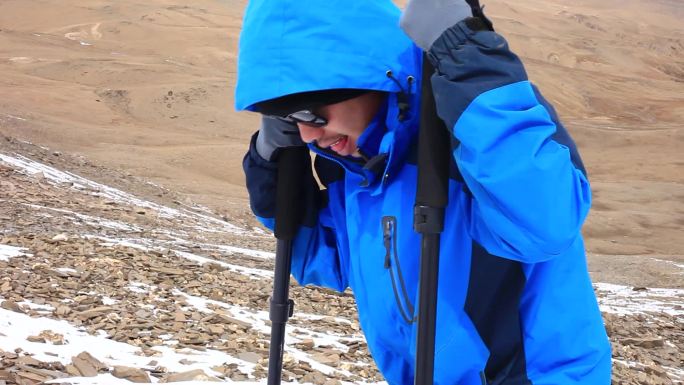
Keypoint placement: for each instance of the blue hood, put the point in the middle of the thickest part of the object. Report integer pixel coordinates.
(289, 46)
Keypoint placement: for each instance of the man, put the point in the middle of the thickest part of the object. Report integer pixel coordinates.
(515, 302)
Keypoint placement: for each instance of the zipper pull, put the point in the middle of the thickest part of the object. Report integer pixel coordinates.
(387, 239)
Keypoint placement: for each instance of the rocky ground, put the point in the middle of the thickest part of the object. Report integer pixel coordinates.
(109, 263)
(130, 270)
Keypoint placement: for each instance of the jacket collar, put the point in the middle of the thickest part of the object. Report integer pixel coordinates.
(386, 143)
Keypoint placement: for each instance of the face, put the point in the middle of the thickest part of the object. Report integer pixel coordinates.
(346, 122)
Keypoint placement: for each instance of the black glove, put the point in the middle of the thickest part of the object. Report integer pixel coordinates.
(275, 134)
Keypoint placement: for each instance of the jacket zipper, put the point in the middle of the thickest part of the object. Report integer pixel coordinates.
(389, 237)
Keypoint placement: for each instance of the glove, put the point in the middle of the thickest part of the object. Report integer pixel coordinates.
(425, 20)
(275, 134)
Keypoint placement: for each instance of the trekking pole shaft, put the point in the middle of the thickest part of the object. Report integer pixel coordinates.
(427, 310)
(291, 163)
(432, 196)
(280, 310)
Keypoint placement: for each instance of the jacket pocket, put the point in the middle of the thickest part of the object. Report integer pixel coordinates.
(389, 237)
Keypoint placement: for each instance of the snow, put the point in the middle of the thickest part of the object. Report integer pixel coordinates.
(90, 220)
(148, 245)
(258, 321)
(43, 309)
(240, 269)
(32, 168)
(108, 379)
(114, 353)
(7, 252)
(107, 301)
(678, 265)
(108, 351)
(139, 287)
(240, 250)
(110, 242)
(624, 300)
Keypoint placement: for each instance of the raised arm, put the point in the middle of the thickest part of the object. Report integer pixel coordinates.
(315, 257)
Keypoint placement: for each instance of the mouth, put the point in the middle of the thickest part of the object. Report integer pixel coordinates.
(338, 144)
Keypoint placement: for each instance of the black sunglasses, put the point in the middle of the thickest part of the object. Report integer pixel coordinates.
(305, 117)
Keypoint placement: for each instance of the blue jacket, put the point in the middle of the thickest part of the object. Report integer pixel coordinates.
(515, 302)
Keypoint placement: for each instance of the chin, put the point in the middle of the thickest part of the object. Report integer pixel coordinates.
(347, 152)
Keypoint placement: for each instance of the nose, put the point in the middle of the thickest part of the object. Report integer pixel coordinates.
(309, 133)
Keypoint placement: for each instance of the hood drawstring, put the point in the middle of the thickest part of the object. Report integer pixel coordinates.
(403, 97)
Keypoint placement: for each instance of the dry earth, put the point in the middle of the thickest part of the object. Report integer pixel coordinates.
(142, 92)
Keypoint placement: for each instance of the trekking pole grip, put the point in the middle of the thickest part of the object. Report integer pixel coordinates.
(289, 193)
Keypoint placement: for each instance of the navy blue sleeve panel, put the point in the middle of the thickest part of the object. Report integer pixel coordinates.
(480, 61)
(530, 191)
(495, 287)
(529, 198)
(261, 177)
(562, 135)
(315, 257)
(469, 63)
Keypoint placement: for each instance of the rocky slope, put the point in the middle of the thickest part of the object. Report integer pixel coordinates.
(171, 275)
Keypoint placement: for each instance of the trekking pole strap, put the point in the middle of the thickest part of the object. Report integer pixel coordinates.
(478, 11)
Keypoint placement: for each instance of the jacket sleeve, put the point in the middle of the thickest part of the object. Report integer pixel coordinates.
(315, 256)
(531, 194)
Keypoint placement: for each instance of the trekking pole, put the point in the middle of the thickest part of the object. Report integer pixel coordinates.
(287, 221)
(432, 196)
(435, 144)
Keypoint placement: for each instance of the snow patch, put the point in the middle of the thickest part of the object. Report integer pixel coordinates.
(624, 300)
(251, 272)
(7, 252)
(108, 351)
(139, 287)
(107, 301)
(679, 265)
(240, 250)
(30, 167)
(91, 220)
